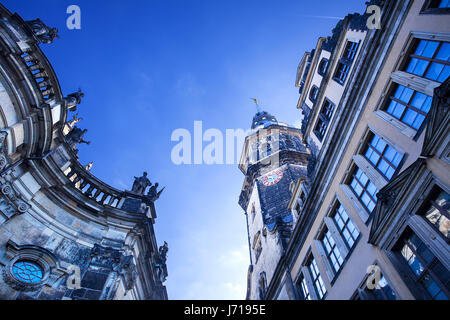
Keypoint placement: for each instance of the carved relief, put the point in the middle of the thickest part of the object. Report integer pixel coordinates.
(11, 203)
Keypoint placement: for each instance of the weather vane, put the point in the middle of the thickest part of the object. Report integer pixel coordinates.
(258, 108)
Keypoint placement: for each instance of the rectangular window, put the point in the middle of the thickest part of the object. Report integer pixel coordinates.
(317, 279)
(385, 158)
(364, 189)
(431, 59)
(333, 254)
(437, 212)
(343, 67)
(348, 230)
(324, 119)
(350, 50)
(428, 271)
(342, 72)
(409, 106)
(304, 289)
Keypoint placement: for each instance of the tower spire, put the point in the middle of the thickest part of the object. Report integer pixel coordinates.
(258, 108)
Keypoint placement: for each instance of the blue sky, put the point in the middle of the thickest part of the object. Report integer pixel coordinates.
(149, 67)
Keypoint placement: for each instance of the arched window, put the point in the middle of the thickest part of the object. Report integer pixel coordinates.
(313, 94)
(322, 69)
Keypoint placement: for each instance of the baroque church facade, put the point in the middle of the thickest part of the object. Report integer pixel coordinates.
(64, 234)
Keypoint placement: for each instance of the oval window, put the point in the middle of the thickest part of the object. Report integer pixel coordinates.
(28, 272)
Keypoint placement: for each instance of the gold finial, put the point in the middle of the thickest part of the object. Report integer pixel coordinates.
(258, 108)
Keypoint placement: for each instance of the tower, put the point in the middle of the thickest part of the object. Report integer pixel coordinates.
(273, 160)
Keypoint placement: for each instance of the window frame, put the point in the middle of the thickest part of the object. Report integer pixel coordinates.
(401, 243)
(368, 144)
(350, 180)
(317, 278)
(415, 42)
(430, 202)
(302, 287)
(345, 63)
(407, 105)
(430, 7)
(324, 118)
(333, 215)
(324, 238)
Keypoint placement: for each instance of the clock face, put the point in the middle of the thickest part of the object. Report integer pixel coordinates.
(273, 178)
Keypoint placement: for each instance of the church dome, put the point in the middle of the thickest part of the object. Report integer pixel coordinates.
(264, 119)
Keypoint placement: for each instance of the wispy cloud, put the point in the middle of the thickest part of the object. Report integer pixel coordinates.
(188, 85)
(320, 17)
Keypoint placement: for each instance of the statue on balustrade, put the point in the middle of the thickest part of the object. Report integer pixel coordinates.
(74, 121)
(140, 184)
(153, 193)
(42, 31)
(75, 137)
(74, 99)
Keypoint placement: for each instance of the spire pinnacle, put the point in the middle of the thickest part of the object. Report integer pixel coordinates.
(258, 108)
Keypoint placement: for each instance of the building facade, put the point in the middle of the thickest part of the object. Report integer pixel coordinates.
(64, 234)
(373, 211)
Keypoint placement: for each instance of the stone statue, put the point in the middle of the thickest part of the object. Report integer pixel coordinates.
(89, 166)
(140, 184)
(153, 193)
(74, 121)
(163, 251)
(74, 99)
(42, 31)
(75, 137)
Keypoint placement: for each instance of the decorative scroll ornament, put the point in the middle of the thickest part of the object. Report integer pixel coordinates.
(10, 203)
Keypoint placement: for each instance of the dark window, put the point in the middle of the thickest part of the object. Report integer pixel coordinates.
(304, 292)
(409, 106)
(385, 158)
(342, 72)
(428, 271)
(253, 212)
(348, 230)
(317, 279)
(324, 119)
(350, 50)
(322, 69)
(343, 67)
(313, 94)
(437, 212)
(439, 4)
(333, 254)
(430, 60)
(364, 189)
